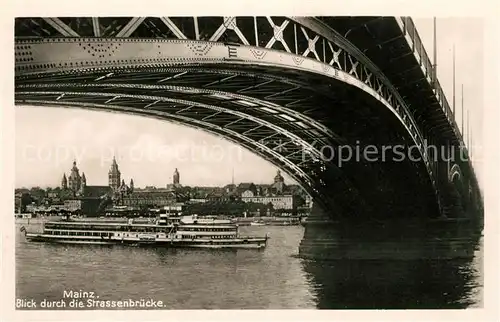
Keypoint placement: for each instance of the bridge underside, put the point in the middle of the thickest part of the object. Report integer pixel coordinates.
(274, 112)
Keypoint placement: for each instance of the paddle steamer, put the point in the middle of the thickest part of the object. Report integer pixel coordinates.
(170, 231)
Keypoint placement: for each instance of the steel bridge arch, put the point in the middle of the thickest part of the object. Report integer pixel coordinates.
(354, 62)
(337, 59)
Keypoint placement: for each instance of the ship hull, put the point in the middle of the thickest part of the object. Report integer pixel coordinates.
(53, 239)
(253, 243)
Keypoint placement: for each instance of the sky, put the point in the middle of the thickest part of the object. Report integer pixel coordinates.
(148, 150)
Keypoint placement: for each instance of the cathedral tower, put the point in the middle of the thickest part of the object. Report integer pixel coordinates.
(176, 177)
(114, 176)
(64, 182)
(279, 183)
(83, 184)
(74, 179)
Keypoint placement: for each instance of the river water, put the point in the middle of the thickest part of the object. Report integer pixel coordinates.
(273, 278)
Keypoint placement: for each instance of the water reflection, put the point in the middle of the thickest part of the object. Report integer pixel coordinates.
(395, 265)
(365, 284)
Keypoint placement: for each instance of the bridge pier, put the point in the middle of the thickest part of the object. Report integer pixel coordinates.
(400, 239)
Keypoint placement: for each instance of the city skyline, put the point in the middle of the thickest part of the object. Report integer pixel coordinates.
(139, 143)
(127, 179)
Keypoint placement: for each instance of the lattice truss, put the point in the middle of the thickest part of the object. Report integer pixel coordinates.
(277, 33)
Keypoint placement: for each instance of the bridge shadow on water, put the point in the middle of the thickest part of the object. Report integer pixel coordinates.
(368, 267)
(377, 284)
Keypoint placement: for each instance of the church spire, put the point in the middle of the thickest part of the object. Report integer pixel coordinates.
(176, 179)
(114, 175)
(83, 184)
(74, 179)
(64, 182)
(279, 182)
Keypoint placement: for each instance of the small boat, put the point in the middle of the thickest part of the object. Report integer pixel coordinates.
(173, 231)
